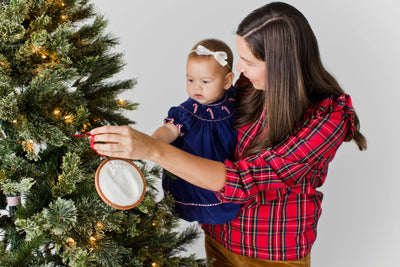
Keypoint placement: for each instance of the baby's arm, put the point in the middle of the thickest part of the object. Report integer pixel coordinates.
(167, 133)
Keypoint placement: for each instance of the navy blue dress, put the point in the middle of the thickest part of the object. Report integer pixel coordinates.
(206, 131)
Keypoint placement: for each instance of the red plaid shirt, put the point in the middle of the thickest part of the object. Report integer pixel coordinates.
(278, 186)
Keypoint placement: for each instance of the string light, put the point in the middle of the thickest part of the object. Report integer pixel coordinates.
(15, 121)
(70, 240)
(99, 225)
(85, 126)
(122, 102)
(64, 17)
(69, 118)
(154, 264)
(44, 56)
(92, 239)
(5, 64)
(93, 242)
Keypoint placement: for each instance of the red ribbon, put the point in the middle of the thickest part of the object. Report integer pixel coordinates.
(88, 134)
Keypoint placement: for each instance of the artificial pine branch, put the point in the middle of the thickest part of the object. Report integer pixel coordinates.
(56, 79)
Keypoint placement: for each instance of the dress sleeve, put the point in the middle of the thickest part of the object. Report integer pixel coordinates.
(180, 118)
(299, 161)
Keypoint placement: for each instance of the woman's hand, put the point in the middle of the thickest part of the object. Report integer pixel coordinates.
(123, 142)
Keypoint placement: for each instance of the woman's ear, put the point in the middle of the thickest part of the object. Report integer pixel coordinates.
(229, 80)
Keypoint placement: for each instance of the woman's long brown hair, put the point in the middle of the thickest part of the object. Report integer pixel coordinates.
(280, 35)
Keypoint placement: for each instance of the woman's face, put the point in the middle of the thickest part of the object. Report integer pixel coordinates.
(253, 68)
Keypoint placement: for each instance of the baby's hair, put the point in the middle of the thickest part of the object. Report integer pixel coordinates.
(214, 45)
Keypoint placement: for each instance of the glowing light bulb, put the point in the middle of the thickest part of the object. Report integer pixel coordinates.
(44, 56)
(64, 17)
(71, 242)
(122, 102)
(68, 118)
(100, 225)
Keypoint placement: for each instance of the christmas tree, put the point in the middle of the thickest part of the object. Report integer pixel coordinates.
(56, 69)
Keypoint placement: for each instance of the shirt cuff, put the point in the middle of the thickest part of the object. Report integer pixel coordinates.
(232, 191)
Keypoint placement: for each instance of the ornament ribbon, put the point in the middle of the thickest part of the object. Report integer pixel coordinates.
(88, 134)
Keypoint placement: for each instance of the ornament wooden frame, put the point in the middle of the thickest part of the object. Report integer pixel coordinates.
(103, 196)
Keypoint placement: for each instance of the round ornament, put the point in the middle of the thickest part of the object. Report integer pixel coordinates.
(120, 183)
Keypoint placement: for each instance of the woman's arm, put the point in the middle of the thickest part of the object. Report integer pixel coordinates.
(271, 173)
(125, 142)
(166, 133)
(205, 173)
(299, 163)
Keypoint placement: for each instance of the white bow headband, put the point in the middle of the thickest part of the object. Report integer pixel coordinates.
(220, 56)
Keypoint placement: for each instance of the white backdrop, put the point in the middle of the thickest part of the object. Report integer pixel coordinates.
(359, 43)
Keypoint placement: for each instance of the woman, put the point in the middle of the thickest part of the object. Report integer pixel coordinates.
(292, 117)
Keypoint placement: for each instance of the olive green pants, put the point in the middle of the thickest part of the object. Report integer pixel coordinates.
(219, 256)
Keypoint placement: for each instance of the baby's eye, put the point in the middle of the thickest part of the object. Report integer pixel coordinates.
(206, 82)
(190, 80)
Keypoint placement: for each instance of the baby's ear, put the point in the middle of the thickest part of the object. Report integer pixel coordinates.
(229, 80)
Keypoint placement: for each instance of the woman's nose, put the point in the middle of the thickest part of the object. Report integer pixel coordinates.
(239, 67)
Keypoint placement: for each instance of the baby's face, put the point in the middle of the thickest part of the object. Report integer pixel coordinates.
(205, 79)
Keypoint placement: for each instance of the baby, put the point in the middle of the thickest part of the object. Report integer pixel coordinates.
(203, 126)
